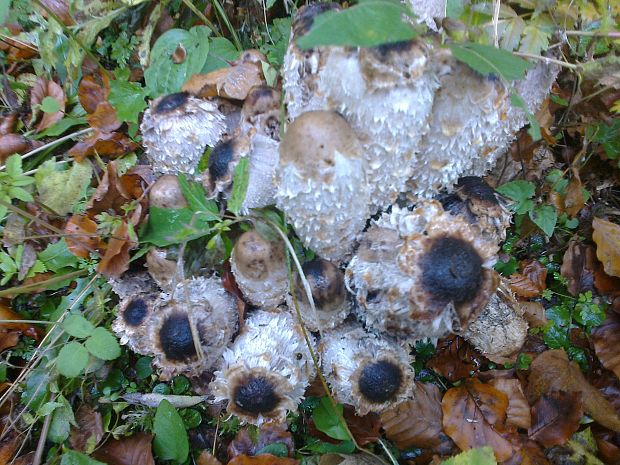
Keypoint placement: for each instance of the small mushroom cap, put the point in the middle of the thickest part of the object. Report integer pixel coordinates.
(380, 381)
(222, 162)
(166, 193)
(312, 141)
(160, 267)
(253, 254)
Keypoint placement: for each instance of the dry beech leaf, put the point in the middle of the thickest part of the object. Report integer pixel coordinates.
(93, 90)
(82, 238)
(206, 458)
(366, 429)
(89, 430)
(9, 445)
(16, 49)
(111, 144)
(577, 267)
(44, 88)
(15, 143)
(263, 459)
(608, 449)
(474, 414)
(552, 371)
(8, 123)
(8, 339)
(536, 272)
(604, 283)
(555, 417)
(6, 313)
(133, 450)
(534, 313)
(104, 118)
(234, 82)
(60, 8)
(416, 422)
(606, 235)
(518, 413)
(574, 200)
(342, 459)
(269, 433)
(606, 338)
(528, 453)
(116, 258)
(455, 358)
(523, 286)
(114, 192)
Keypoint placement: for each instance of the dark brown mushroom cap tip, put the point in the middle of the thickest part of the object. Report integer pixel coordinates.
(256, 395)
(171, 102)
(380, 381)
(326, 282)
(175, 337)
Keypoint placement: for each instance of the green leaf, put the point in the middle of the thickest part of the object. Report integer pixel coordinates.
(50, 105)
(241, 178)
(163, 76)
(327, 420)
(57, 256)
(517, 190)
(479, 456)
(72, 359)
(506, 268)
(221, 51)
(48, 408)
(62, 419)
(545, 217)
(608, 135)
(278, 449)
(534, 129)
(61, 126)
(4, 10)
(37, 388)
(60, 190)
(535, 39)
(196, 197)
(559, 315)
(127, 98)
(71, 457)
(171, 442)
(321, 447)
(78, 326)
(367, 24)
(14, 166)
(144, 368)
(487, 60)
(556, 337)
(102, 344)
(169, 226)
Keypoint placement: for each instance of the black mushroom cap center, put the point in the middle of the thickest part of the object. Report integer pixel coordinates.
(380, 381)
(256, 395)
(451, 270)
(476, 188)
(171, 102)
(221, 156)
(326, 282)
(175, 337)
(135, 312)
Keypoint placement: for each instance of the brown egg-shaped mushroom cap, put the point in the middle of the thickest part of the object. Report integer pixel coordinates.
(312, 141)
(161, 267)
(259, 267)
(166, 193)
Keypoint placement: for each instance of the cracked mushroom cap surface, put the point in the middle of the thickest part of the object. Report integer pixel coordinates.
(329, 293)
(177, 128)
(266, 371)
(368, 372)
(158, 324)
(321, 183)
(422, 273)
(260, 270)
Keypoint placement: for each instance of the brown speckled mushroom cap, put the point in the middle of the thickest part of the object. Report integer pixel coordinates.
(166, 193)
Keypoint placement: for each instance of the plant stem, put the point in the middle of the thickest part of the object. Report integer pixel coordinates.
(38, 455)
(608, 35)
(546, 60)
(202, 17)
(222, 14)
(41, 285)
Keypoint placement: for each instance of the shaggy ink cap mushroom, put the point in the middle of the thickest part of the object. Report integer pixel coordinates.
(171, 102)
(256, 396)
(175, 337)
(222, 162)
(380, 381)
(166, 193)
(135, 312)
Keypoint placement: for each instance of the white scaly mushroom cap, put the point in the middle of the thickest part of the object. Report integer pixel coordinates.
(422, 273)
(263, 163)
(266, 371)
(329, 293)
(387, 97)
(177, 128)
(164, 330)
(369, 372)
(260, 271)
(500, 330)
(321, 182)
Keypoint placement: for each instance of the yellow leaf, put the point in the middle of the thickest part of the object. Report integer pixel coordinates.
(606, 235)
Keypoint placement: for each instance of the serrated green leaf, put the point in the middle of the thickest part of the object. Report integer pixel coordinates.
(487, 60)
(517, 190)
(127, 98)
(60, 190)
(163, 76)
(72, 457)
(479, 456)
(221, 52)
(367, 24)
(78, 326)
(196, 197)
(102, 344)
(545, 217)
(327, 420)
(14, 166)
(72, 359)
(535, 40)
(57, 256)
(20, 194)
(241, 179)
(171, 442)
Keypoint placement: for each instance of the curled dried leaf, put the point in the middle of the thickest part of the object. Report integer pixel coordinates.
(518, 413)
(60, 8)
(578, 267)
(556, 417)
(606, 338)
(42, 89)
(574, 199)
(111, 144)
(89, 430)
(250, 444)
(132, 450)
(206, 458)
(116, 259)
(455, 358)
(104, 118)
(523, 286)
(93, 90)
(82, 238)
(606, 235)
(15, 143)
(8, 123)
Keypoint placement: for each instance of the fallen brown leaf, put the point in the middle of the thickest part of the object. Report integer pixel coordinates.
(534, 313)
(15, 143)
(552, 371)
(416, 422)
(366, 429)
(89, 430)
(607, 444)
(113, 192)
(82, 238)
(8, 123)
(263, 459)
(9, 443)
(111, 144)
(269, 433)
(60, 8)
(556, 417)
(455, 358)
(6, 313)
(26, 459)
(606, 338)
(528, 453)
(205, 458)
(577, 267)
(574, 200)
(342, 459)
(133, 450)
(473, 416)
(44, 88)
(530, 282)
(8, 339)
(93, 90)
(606, 235)
(104, 118)
(116, 258)
(518, 413)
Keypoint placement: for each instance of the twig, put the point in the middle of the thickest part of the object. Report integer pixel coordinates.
(496, 8)
(222, 14)
(38, 455)
(153, 399)
(608, 35)
(42, 284)
(546, 60)
(202, 17)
